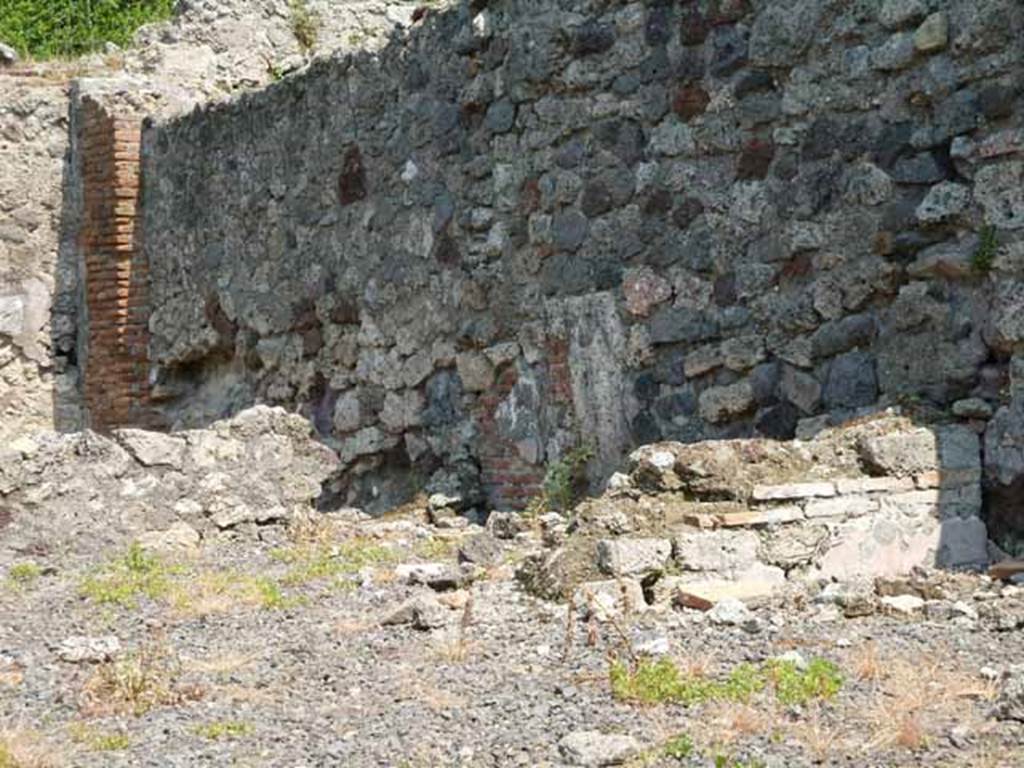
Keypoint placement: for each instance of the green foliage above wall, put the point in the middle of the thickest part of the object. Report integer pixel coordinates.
(46, 29)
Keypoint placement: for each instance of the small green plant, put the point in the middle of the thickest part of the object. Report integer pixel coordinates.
(111, 742)
(793, 686)
(679, 747)
(135, 575)
(563, 478)
(271, 596)
(226, 729)
(305, 24)
(24, 574)
(985, 254)
(563, 482)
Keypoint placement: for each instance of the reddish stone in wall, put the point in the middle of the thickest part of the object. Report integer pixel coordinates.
(755, 159)
(352, 181)
(690, 101)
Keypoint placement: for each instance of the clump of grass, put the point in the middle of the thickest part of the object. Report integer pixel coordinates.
(662, 682)
(223, 591)
(24, 574)
(793, 686)
(985, 255)
(99, 741)
(135, 684)
(679, 747)
(434, 548)
(223, 729)
(124, 581)
(318, 562)
(727, 761)
(305, 24)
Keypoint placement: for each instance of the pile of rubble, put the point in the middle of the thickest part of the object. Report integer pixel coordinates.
(81, 493)
(744, 518)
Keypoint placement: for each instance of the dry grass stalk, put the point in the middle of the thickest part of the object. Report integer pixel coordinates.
(135, 684)
(818, 738)
(570, 627)
(913, 694)
(24, 748)
(732, 721)
(593, 633)
(866, 664)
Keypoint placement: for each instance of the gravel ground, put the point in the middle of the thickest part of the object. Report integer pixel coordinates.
(268, 649)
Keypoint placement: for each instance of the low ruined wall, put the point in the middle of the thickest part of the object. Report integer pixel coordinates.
(880, 498)
(506, 233)
(79, 494)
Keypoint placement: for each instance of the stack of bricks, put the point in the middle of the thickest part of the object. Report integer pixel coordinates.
(116, 276)
(510, 481)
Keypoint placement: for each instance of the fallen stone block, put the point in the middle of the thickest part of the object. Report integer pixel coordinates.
(595, 749)
(423, 612)
(902, 604)
(481, 549)
(715, 550)
(731, 612)
(633, 557)
(903, 453)
(81, 648)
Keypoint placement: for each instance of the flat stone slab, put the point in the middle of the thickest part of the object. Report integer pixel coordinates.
(789, 491)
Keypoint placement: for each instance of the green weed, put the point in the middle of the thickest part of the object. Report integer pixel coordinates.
(793, 686)
(563, 483)
(99, 741)
(24, 574)
(321, 561)
(226, 729)
(46, 29)
(678, 747)
(661, 682)
(305, 24)
(124, 581)
(985, 255)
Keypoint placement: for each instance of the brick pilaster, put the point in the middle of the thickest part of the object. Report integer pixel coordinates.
(116, 384)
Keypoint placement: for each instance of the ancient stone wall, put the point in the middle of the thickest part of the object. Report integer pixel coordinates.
(209, 50)
(38, 371)
(508, 232)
